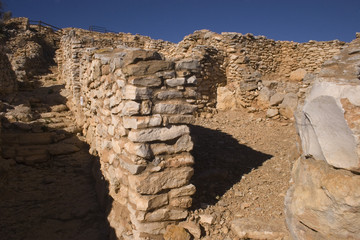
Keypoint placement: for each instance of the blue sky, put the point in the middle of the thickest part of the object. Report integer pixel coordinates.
(171, 20)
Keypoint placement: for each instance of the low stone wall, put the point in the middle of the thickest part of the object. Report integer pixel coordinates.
(324, 202)
(8, 82)
(133, 107)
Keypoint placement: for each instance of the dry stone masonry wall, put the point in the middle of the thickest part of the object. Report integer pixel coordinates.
(134, 106)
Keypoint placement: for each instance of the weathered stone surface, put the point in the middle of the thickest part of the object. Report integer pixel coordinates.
(165, 214)
(297, 75)
(276, 99)
(174, 82)
(288, 105)
(148, 67)
(153, 183)
(187, 190)
(326, 135)
(146, 81)
(172, 94)
(272, 112)
(174, 232)
(130, 165)
(138, 149)
(181, 119)
(323, 203)
(130, 108)
(138, 55)
(206, 218)
(225, 99)
(147, 202)
(136, 93)
(193, 228)
(142, 121)
(188, 64)
(248, 228)
(174, 108)
(157, 134)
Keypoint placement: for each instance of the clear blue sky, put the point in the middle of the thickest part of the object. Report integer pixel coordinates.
(171, 20)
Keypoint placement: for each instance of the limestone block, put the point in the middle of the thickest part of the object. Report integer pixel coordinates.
(191, 80)
(183, 144)
(276, 99)
(187, 190)
(272, 112)
(146, 81)
(288, 105)
(181, 202)
(180, 160)
(130, 165)
(138, 149)
(152, 183)
(147, 202)
(158, 134)
(297, 75)
(174, 108)
(134, 56)
(225, 99)
(172, 94)
(188, 64)
(136, 122)
(181, 119)
(248, 85)
(325, 131)
(130, 108)
(323, 203)
(131, 92)
(174, 82)
(154, 228)
(148, 67)
(145, 108)
(165, 214)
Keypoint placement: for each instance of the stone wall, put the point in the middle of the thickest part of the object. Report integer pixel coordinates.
(7, 76)
(133, 107)
(323, 202)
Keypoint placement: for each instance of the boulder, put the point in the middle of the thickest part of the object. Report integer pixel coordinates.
(297, 75)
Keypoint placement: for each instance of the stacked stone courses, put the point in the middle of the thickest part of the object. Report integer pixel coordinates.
(134, 106)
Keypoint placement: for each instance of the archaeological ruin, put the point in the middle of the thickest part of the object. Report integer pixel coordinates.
(108, 136)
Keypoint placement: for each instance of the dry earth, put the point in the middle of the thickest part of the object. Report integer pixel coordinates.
(242, 171)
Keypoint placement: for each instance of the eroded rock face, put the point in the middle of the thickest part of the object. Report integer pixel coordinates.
(323, 202)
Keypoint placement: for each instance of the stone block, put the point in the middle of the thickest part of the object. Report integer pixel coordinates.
(191, 80)
(187, 190)
(166, 95)
(135, 56)
(249, 228)
(138, 149)
(147, 202)
(130, 165)
(131, 92)
(276, 99)
(297, 75)
(145, 81)
(137, 122)
(130, 108)
(174, 108)
(158, 134)
(181, 202)
(148, 67)
(153, 183)
(181, 119)
(188, 64)
(166, 214)
(174, 82)
(174, 232)
(180, 160)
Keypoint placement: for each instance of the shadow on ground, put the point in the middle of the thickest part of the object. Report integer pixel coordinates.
(220, 162)
(52, 187)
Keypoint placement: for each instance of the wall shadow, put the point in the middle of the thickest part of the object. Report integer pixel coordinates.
(53, 187)
(220, 162)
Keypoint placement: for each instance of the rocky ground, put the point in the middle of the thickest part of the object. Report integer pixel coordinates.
(242, 172)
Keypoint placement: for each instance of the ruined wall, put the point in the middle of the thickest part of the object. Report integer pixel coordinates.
(323, 202)
(133, 107)
(7, 76)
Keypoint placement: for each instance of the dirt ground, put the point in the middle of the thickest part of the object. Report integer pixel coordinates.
(242, 167)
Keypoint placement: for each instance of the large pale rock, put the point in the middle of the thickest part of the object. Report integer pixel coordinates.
(323, 203)
(225, 99)
(324, 131)
(297, 75)
(158, 134)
